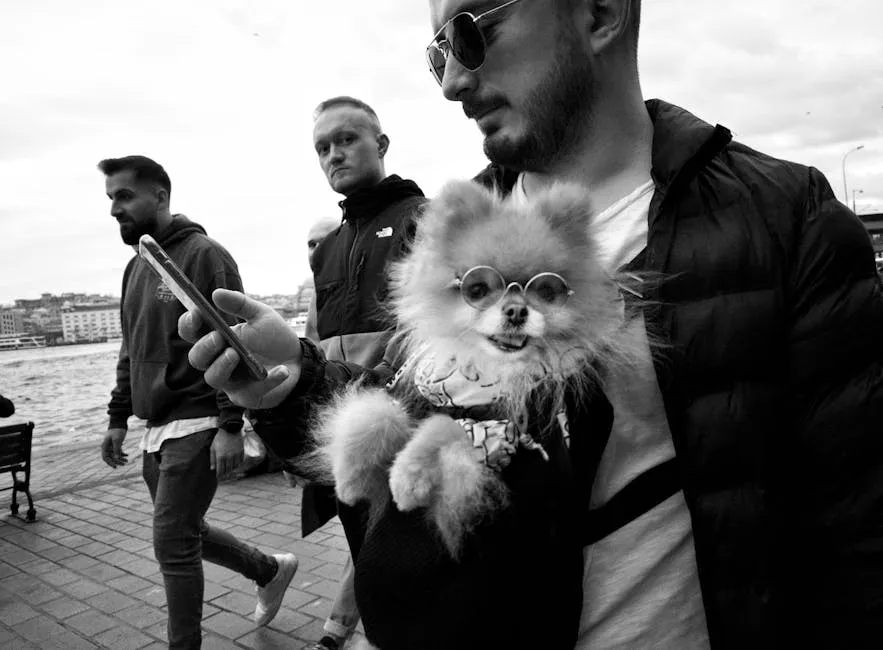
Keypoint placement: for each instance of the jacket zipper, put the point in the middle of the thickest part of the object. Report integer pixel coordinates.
(349, 266)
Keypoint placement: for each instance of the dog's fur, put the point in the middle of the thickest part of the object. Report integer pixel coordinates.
(377, 449)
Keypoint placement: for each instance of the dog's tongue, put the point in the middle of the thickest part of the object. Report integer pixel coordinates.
(509, 343)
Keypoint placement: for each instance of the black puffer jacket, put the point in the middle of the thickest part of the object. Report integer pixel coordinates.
(772, 318)
(771, 315)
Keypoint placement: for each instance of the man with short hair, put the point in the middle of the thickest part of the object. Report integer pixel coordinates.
(193, 436)
(349, 270)
(756, 417)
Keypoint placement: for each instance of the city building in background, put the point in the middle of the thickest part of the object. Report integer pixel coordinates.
(91, 322)
(12, 321)
(71, 318)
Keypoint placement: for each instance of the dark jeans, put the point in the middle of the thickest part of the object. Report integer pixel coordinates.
(182, 487)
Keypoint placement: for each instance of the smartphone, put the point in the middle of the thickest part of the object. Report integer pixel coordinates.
(184, 290)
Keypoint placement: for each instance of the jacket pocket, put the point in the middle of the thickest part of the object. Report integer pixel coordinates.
(329, 308)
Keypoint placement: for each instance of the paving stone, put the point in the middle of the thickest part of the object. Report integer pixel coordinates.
(141, 616)
(61, 576)
(37, 593)
(129, 584)
(289, 619)
(67, 641)
(228, 625)
(91, 622)
(334, 555)
(111, 602)
(326, 588)
(155, 595)
(13, 612)
(39, 628)
(7, 570)
(123, 637)
(64, 607)
(236, 602)
(270, 639)
(83, 588)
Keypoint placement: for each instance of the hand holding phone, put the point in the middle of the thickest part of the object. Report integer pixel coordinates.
(185, 291)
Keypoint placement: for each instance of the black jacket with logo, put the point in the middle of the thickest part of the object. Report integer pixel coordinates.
(349, 269)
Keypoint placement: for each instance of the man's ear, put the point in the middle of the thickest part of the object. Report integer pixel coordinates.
(162, 197)
(382, 145)
(602, 23)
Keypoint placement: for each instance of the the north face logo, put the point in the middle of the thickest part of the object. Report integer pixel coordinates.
(163, 293)
(384, 232)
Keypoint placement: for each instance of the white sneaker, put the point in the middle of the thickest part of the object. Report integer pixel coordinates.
(270, 596)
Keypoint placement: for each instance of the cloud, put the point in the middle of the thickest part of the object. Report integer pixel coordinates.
(222, 93)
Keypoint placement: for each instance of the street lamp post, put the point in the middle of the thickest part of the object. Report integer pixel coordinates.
(843, 165)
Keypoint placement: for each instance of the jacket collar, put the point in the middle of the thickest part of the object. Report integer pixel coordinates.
(682, 145)
(369, 202)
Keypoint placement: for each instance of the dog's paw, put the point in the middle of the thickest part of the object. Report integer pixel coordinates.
(411, 484)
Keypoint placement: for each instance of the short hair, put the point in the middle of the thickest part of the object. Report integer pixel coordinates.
(143, 168)
(346, 100)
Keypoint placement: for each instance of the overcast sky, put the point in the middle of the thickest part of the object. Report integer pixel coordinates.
(221, 93)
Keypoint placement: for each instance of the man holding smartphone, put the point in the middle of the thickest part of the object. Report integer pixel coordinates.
(766, 386)
(193, 434)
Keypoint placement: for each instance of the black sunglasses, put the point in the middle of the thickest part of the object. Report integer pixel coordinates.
(462, 37)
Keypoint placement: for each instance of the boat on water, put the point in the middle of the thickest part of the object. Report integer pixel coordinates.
(21, 341)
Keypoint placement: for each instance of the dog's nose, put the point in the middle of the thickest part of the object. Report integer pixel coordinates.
(516, 313)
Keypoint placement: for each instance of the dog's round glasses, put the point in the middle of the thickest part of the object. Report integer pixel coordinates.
(463, 37)
(483, 287)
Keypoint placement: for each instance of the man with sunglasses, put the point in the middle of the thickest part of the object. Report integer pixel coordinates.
(765, 386)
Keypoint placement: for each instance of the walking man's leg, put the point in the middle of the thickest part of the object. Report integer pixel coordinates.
(271, 573)
(182, 486)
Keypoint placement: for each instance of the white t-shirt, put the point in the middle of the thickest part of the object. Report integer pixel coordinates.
(153, 437)
(641, 585)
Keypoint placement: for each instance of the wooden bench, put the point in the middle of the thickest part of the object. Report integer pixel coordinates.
(15, 458)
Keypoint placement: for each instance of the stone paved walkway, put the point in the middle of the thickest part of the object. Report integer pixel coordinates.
(84, 576)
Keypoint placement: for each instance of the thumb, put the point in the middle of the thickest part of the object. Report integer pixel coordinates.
(211, 462)
(238, 304)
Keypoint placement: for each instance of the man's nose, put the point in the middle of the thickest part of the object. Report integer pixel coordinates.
(457, 82)
(336, 154)
(116, 211)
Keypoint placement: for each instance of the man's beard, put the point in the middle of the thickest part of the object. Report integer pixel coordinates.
(131, 231)
(555, 112)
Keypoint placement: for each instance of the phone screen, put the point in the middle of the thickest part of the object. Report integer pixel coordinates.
(185, 291)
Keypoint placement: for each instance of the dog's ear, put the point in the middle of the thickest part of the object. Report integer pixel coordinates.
(458, 205)
(567, 208)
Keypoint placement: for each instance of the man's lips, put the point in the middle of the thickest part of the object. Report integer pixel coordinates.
(477, 112)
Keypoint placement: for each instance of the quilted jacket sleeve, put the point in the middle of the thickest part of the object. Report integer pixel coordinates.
(834, 484)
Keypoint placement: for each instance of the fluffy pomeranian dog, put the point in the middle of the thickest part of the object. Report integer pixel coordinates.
(503, 308)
